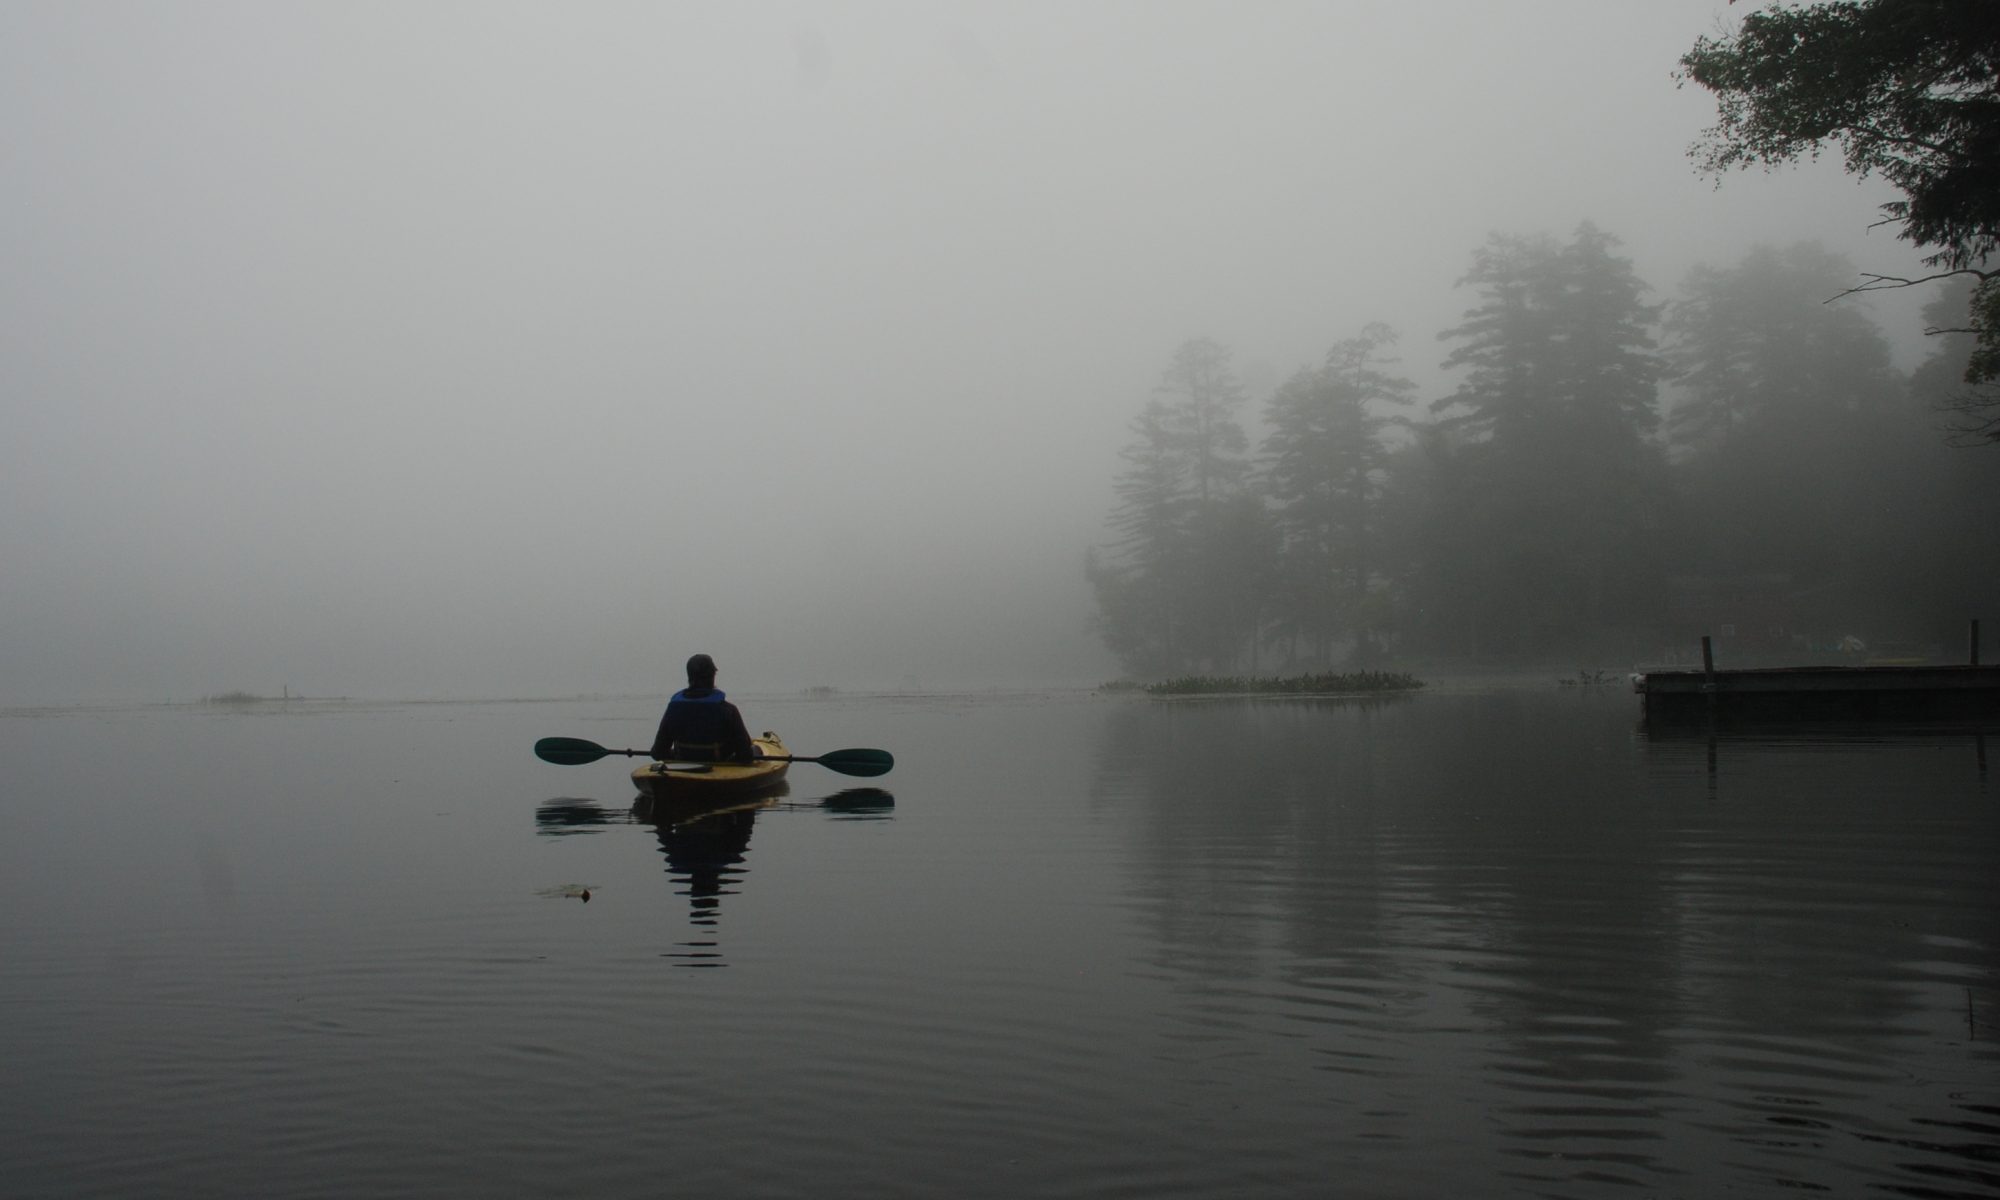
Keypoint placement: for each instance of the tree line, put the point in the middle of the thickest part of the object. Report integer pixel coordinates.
(1610, 479)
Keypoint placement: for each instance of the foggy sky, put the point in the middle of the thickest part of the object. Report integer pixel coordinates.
(481, 349)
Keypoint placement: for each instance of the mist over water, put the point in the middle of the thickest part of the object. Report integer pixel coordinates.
(1492, 941)
(479, 350)
(405, 361)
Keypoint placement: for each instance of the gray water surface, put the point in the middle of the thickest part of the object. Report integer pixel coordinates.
(1497, 941)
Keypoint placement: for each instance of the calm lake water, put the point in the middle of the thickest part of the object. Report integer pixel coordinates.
(1485, 941)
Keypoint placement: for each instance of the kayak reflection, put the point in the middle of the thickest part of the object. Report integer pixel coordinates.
(705, 844)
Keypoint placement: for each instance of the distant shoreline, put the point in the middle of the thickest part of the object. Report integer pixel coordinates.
(1350, 683)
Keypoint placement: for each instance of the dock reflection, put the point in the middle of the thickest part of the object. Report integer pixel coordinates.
(1718, 737)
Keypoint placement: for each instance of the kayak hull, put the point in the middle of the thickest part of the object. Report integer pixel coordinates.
(714, 781)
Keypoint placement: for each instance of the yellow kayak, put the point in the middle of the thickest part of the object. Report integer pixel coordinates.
(717, 781)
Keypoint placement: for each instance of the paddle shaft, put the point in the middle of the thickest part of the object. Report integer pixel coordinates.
(811, 758)
(572, 752)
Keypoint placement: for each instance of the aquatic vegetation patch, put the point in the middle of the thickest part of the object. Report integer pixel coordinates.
(1330, 683)
(567, 891)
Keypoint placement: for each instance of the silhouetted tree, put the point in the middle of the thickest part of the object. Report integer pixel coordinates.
(1609, 374)
(1229, 589)
(1763, 360)
(1787, 409)
(1973, 409)
(1184, 584)
(1508, 343)
(1908, 90)
(1554, 486)
(1325, 461)
(1940, 552)
(1138, 600)
(1202, 395)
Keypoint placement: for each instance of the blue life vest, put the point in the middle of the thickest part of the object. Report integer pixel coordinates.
(702, 729)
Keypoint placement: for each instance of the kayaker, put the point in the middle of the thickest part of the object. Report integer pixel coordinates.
(700, 724)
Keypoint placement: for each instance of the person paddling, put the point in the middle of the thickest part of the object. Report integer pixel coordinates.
(700, 724)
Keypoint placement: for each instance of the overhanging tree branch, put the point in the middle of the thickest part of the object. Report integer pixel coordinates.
(1907, 88)
(1884, 283)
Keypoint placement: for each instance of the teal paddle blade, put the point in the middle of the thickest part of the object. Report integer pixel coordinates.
(858, 762)
(569, 752)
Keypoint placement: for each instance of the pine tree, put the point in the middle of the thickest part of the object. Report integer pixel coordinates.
(1546, 445)
(1324, 468)
(1184, 586)
(1787, 403)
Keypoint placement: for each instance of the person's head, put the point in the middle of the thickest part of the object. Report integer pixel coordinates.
(701, 671)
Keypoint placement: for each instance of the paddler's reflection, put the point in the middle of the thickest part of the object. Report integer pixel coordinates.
(705, 846)
(567, 815)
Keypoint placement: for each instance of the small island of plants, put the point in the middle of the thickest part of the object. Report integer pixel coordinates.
(241, 698)
(1328, 684)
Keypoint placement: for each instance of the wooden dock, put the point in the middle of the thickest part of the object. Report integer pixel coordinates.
(1920, 690)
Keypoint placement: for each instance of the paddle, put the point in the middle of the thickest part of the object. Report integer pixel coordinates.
(574, 752)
